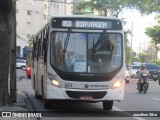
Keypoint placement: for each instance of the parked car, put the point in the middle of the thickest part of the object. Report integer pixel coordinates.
(126, 76)
(134, 69)
(136, 63)
(154, 71)
(28, 71)
(21, 64)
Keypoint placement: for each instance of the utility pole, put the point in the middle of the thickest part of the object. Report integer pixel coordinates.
(13, 55)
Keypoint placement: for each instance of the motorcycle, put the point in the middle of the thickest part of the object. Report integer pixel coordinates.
(142, 84)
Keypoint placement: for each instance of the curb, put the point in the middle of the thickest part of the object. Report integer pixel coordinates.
(29, 104)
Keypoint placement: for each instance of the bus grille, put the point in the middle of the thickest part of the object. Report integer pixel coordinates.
(77, 94)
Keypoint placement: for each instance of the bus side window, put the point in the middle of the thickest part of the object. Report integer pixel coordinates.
(44, 42)
(47, 33)
(36, 48)
(39, 46)
(44, 46)
(47, 37)
(33, 50)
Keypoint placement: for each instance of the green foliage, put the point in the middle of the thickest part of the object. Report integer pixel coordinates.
(156, 62)
(126, 33)
(147, 6)
(104, 7)
(127, 48)
(144, 56)
(154, 33)
(137, 59)
(128, 51)
(31, 39)
(114, 7)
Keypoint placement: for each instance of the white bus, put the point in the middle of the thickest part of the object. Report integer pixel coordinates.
(79, 58)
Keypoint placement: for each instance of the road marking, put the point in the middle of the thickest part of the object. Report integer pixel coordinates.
(117, 109)
(156, 98)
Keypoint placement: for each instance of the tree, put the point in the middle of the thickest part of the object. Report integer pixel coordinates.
(154, 34)
(137, 59)
(146, 6)
(112, 8)
(31, 39)
(143, 56)
(5, 38)
(104, 7)
(127, 48)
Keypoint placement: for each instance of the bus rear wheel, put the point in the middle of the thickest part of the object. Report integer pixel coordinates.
(107, 105)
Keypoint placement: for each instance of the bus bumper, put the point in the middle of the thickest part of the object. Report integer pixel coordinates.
(116, 94)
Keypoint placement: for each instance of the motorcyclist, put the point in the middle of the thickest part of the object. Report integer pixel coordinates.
(140, 75)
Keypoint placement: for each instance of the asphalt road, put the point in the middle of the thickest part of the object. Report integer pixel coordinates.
(133, 101)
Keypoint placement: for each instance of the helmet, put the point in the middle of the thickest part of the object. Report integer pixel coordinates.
(142, 66)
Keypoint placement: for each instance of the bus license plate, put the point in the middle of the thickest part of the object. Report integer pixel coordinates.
(86, 98)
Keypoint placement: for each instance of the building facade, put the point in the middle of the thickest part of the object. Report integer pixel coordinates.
(31, 15)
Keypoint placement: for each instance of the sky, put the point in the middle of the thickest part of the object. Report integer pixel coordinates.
(140, 23)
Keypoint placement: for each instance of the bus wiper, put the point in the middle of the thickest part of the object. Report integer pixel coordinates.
(98, 41)
(66, 41)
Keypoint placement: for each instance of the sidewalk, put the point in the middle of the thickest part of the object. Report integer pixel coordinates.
(23, 104)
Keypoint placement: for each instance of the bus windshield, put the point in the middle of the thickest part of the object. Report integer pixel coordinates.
(86, 52)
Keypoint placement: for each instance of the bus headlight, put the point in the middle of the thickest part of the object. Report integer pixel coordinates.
(119, 83)
(54, 81)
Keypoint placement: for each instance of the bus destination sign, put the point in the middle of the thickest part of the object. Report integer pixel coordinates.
(75, 23)
(86, 24)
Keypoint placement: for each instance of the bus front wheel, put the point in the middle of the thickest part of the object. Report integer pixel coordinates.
(38, 96)
(47, 104)
(107, 105)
